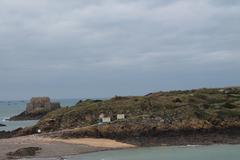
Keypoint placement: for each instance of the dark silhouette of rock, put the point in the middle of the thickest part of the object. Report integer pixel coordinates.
(5, 134)
(24, 152)
(2, 125)
(36, 109)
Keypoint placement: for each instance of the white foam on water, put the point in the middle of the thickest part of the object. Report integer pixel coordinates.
(5, 119)
(189, 145)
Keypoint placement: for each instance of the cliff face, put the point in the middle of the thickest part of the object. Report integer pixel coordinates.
(175, 110)
(36, 109)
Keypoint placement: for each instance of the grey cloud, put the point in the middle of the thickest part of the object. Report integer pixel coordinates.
(225, 3)
(79, 48)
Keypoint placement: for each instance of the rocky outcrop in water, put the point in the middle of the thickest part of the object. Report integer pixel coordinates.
(36, 109)
(2, 125)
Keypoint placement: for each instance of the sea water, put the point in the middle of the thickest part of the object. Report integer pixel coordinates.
(11, 108)
(213, 152)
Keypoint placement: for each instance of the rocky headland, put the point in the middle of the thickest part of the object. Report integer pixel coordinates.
(191, 117)
(36, 109)
(201, 116)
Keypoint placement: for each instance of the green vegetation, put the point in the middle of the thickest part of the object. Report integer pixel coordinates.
(202, 108)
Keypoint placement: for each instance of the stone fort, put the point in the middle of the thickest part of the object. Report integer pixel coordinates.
(41, 103)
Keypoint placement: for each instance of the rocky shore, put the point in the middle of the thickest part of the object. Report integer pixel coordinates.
(192, 117)
(147, 136)
(29, 116)
(85, 140)
(15, 133)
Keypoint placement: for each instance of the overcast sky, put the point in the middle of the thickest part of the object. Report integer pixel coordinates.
(102, 48)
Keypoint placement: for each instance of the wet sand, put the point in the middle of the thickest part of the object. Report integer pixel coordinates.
(54, 147)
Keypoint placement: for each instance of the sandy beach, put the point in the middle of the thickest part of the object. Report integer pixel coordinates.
(53, 147)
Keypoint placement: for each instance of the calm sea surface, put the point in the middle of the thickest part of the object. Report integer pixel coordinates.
(11, 108)
(214, 152)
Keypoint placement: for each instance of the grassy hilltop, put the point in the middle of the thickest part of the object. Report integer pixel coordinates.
(190, 109)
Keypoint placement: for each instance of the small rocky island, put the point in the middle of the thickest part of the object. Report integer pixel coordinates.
(2, 125)
(36, 109)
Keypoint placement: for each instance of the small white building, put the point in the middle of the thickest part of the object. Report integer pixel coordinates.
(106, 119)
(101, 116)
(120, 116)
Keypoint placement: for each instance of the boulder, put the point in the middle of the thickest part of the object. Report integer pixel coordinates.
(24, 152)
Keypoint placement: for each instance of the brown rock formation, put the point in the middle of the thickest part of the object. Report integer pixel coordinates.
(23, 152)
(40, 103)
(36, 109)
